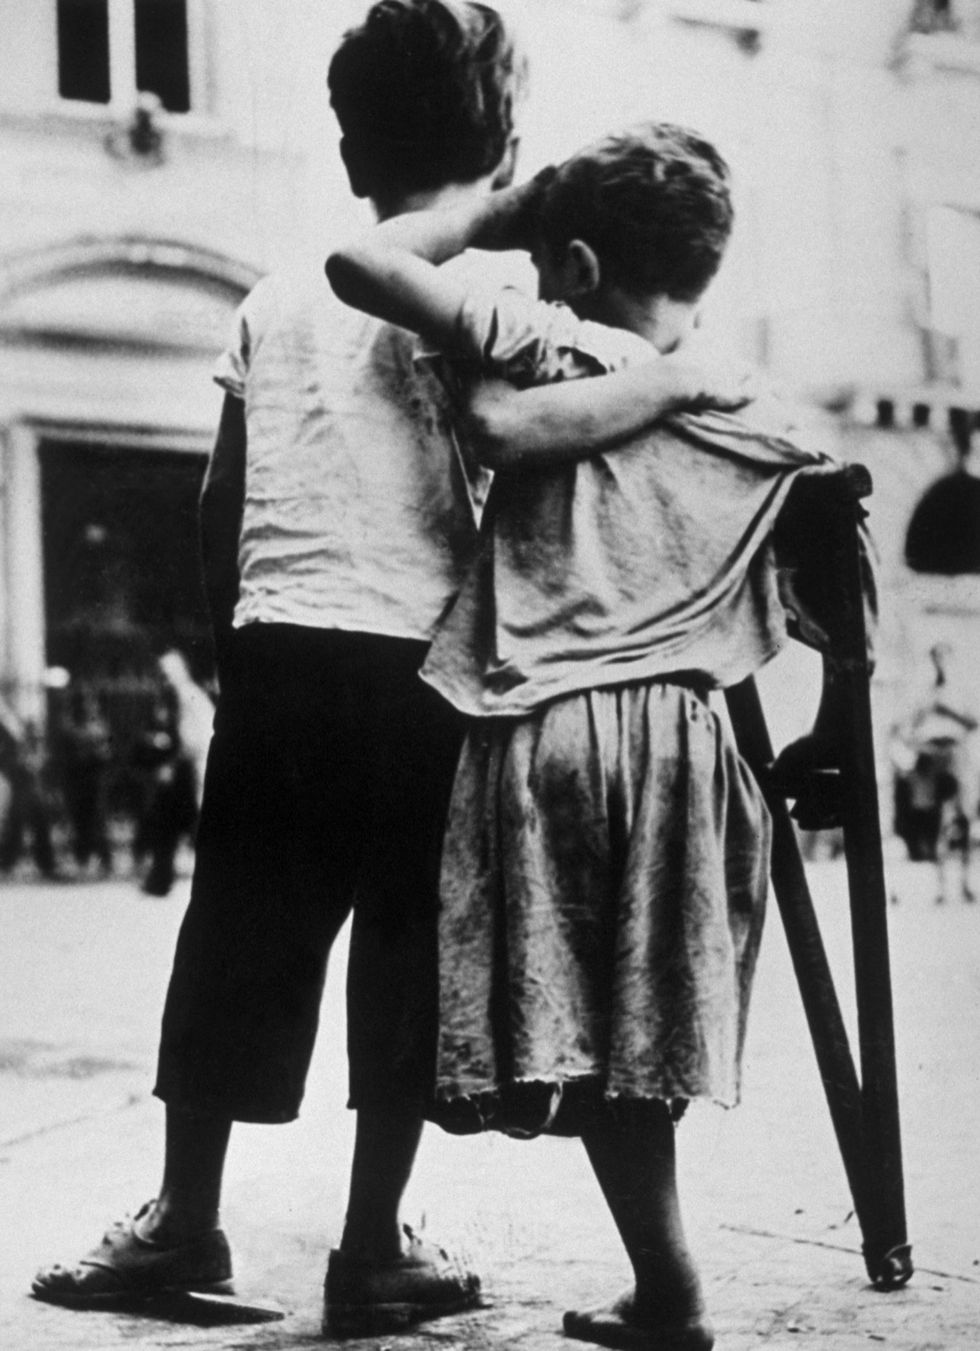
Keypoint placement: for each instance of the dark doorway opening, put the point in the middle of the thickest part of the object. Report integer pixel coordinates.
(122, 582)
(122, 574)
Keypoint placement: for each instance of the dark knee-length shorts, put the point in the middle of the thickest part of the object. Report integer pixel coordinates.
(327, 785)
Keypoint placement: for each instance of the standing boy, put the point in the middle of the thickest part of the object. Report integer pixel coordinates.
(338, 516)
(336, 519)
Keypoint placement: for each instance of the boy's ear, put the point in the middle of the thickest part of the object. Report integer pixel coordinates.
(360, 184)
(504, 173)
(580, 269)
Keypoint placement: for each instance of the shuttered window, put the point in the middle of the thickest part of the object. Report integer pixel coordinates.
(110, 50)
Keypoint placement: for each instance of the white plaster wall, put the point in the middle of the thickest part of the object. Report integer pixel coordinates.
(836, 147)
(28, 54)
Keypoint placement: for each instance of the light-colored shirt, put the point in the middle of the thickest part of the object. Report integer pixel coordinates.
(361, 511)
(643, 563)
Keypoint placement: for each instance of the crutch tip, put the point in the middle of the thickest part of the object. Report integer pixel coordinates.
(892, 1270)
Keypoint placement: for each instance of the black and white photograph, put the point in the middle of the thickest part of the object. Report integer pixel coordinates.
(489, 675)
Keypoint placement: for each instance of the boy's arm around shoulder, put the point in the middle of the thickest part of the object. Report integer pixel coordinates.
(574, 419)
(393, 272)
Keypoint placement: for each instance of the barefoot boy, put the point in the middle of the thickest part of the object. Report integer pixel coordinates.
(605, 866)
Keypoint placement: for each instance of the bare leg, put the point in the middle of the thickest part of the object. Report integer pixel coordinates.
(190, 1193)
(631, 1149)
(634, 1160)
(374, 1284)
(385, 1147)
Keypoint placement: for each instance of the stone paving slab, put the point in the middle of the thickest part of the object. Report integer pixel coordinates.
(766, 1291)
(766, 1202)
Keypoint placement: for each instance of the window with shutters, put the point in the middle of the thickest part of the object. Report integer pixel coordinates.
(109, 51)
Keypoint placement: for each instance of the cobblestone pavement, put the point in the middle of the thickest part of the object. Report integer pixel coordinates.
(82, 974)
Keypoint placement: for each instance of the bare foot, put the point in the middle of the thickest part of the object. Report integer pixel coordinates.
(622, 1325)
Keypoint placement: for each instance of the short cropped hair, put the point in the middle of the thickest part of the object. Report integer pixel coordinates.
(425, 90)
(654, 204)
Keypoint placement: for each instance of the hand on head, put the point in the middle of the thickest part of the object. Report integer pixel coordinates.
(511, 215)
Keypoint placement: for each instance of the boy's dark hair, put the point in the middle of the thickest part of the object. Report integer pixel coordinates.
(654, 204)
(424, 91)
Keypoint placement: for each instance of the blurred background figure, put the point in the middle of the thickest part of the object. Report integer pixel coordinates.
(86, 753)
(173, 751)
(24, 807)
(936, 766)
(195, 713)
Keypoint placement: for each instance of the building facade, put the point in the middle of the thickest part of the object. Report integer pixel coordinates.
(153, 168)
(157, 156)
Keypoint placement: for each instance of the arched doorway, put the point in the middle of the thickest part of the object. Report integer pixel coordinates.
(108, 413)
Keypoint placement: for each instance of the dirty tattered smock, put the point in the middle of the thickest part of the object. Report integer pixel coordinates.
(605, 866)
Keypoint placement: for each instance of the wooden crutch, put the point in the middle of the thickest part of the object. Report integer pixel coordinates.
(865, 1111)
